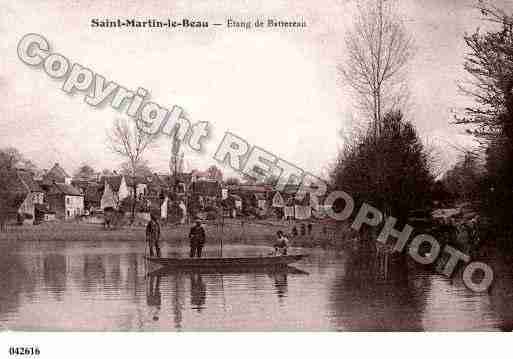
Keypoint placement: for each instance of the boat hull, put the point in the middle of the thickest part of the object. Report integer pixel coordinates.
(239, 262)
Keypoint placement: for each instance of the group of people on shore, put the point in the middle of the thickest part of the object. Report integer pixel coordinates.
(197, 237)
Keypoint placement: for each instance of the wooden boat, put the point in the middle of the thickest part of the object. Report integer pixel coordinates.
(227, 262)
(270, 270)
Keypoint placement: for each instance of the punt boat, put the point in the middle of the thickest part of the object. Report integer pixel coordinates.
(226, 262)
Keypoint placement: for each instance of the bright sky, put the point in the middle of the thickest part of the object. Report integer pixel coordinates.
(279, 88)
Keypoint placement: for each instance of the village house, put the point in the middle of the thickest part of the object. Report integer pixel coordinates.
(34, 201)
(65, 200)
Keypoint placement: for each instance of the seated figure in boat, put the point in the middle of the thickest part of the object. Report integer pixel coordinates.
(153, 235)
(281, 244)
(197, 237)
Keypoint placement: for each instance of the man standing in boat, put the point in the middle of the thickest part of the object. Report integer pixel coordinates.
(197, 237)
(153, 235)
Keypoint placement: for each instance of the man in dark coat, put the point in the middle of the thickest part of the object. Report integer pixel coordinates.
(197, 237)
(153, 235)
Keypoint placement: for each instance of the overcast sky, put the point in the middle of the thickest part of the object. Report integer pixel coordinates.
(279, 89)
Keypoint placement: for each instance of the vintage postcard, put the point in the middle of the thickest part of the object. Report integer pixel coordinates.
(337, 165)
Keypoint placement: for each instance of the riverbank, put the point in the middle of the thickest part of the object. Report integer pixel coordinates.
(231, 232)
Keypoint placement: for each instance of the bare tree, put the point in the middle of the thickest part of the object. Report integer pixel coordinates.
(177, 157)
(378, 50)
(129, 142)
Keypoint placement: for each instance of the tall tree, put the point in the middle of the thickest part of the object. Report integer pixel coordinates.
(489, 62)
(378, 50)
(130, 142)
(176, 159)
(391, 171)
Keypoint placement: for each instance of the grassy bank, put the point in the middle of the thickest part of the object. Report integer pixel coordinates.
(233, 231)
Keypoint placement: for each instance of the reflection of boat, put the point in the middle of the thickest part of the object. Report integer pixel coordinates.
(227, 270)
(220, 262)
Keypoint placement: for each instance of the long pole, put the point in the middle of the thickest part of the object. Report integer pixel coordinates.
(145, 260)
(222, 239)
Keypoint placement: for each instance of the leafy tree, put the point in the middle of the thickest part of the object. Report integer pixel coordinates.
(489, 63)
(392, 171)
(10, 191)
(11, 158)
(463, 180)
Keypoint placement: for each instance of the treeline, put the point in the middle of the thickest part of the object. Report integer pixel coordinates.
(489, 63)
(387, 165)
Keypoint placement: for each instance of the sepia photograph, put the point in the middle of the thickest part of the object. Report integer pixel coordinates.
(268, 166)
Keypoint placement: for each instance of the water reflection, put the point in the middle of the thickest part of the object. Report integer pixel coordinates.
(54, 274)
(154, 297)
(105, 286)
(198, 291)
(376, 293)
(280, 283)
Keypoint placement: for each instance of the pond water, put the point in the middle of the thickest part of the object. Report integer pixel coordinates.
(104, 286)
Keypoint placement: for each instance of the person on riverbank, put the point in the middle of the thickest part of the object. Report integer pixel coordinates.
(281, 245)
(197, 237)
(153, 235)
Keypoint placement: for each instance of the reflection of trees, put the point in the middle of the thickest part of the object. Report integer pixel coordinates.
(501, 293)
(93, 273)
(132, 282)
(198, 292)
(113, 281)
(17, 281)
(54, 274)
(178, 299)
(375, 293)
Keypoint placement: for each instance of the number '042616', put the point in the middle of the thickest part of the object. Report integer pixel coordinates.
(26, 351)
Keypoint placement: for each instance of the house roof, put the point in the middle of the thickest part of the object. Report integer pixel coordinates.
(28, 179)
(56, 173)
(66, 189)
(248, 188)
